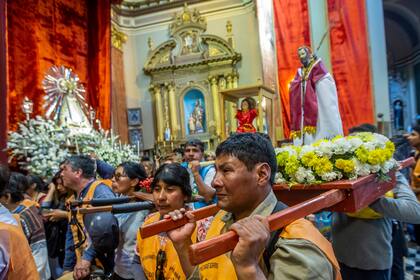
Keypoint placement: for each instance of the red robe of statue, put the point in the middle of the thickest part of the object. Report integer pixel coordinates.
(245, 119)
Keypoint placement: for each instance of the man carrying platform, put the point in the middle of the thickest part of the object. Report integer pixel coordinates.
(245, 170)
(200, 177)
(78, 174)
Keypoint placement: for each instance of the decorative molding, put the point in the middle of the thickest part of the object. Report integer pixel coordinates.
(118, 38)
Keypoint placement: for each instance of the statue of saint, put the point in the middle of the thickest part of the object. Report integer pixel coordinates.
(246, 115)
(313, 101)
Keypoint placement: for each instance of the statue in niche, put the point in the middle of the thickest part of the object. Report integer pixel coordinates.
(198, 114)
(398, 108)
(246, 115)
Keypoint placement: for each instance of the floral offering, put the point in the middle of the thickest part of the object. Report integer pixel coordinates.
(348, 157)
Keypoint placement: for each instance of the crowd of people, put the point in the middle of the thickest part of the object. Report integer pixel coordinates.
(44, 234)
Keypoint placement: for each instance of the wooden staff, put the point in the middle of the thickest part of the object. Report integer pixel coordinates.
(117, 208)
(169, 224)
(208, 249)
(203, 163)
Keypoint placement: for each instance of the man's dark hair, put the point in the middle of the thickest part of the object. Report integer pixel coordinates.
(4, 177)
(364, 127)
(173, 174)
(84, 163)
(251, 149)
(195, 143)
(416, 128)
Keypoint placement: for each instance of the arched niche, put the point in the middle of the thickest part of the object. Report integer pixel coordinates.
(195, 112)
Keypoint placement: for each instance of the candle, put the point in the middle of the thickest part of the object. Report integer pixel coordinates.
(77, 147)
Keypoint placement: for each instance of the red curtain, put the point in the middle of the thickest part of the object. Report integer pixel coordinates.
(350, 61)
(292, 30)
(3, 83)
(43, 33)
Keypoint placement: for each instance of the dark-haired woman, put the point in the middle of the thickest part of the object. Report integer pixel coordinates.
(28, 216)
(54, 211)
(37, 189)
(127, 179)
(171, 190)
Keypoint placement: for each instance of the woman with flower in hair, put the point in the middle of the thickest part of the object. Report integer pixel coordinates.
(128, 178)
(157, 257)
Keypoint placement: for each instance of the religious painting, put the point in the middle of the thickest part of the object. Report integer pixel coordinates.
(136, 138)
(134, 116)
(194, 112)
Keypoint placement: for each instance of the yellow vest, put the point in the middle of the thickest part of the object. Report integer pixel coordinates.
(148, 249)
(21, 261)
(221, 267)
(79, 217)
(369, 213)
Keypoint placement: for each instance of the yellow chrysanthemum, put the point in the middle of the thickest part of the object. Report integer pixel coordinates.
(308, 158)
(336, 138)
(322, 165)
(362, 154)
(291, 166)
(345, 164)
(318, 142)
(376, 156)
(282, 158)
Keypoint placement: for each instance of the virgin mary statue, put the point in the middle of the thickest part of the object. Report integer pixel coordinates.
(65, 101)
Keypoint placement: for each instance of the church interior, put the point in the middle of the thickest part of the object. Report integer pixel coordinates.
(127, 80)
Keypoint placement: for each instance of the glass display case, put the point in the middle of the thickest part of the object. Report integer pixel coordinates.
(231, 100)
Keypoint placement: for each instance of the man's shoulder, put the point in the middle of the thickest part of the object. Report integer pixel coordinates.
(102, 190)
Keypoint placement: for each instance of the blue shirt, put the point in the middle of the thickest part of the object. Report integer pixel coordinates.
(101, 191)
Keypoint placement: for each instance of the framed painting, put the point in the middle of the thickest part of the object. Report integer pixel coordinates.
(134, 117)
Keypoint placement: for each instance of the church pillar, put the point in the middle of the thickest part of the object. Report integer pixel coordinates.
(235, 79)
(172, 110)
(216, 104)
(159, 112)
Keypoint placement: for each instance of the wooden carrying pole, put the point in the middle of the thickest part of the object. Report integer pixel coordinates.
(208, 249)
(169, 224)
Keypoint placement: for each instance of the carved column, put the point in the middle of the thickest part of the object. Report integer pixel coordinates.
(222, 82)
(167, 131)
(229, 83)
(235, 79)
(172, 110)
(155, 89)
(216, 104)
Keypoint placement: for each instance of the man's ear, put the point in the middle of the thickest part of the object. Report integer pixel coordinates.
(263, 171)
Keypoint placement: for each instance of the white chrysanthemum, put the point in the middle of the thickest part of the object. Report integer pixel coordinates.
(362, 169)
(375, 168)
(331, 176)
(355, 143)
(278, 179)
(389, 165)
(304, 175)
(341, 146)
(325, 149)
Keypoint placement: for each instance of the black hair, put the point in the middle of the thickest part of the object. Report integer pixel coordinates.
(4, 177)
(251, 102)
(145, 158)
(251, 149)
(134, 170)
(40, 185)
(364, 127)
(175, 175)
(416, 128)
(84, 163)
(17, 186)
(195, 143)
(56, 178)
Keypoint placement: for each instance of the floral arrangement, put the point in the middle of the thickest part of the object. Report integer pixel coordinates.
(339, 158)
(40, 145)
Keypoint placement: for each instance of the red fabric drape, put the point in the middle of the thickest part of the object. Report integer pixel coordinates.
(350, 61)
(292, 30)
(42, 33)
(3, 82)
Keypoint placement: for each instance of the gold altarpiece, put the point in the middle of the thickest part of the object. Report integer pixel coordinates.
(188, 72)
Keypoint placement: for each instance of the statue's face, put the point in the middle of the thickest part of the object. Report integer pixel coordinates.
(303, 56)
(244, 105)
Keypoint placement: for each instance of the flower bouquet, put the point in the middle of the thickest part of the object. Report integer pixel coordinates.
(362, 165)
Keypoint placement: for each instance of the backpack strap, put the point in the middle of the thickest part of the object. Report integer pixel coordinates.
(274, 236)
